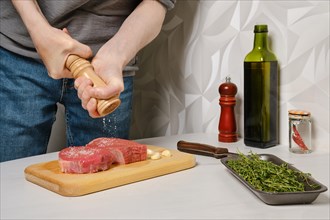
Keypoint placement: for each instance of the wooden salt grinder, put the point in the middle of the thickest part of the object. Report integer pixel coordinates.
(81, 67)
(227, 122)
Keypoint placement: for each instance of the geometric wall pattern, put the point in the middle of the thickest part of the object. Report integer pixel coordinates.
(202, 42)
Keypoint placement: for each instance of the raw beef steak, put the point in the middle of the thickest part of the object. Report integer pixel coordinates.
(99, 154)
(125, 151)
(85, 160)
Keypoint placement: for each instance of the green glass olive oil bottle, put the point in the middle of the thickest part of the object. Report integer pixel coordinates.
(260, 93)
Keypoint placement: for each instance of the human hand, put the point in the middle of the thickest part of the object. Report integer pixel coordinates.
(111, 74)
(140, 28)
(55, 48)
(53, 45)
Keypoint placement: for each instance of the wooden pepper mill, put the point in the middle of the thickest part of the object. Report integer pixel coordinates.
(227, 122)
(81, 67)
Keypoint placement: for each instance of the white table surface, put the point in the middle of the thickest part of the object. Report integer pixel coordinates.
(207, 191)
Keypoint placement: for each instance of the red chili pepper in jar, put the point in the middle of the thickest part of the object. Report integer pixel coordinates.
(297, 138)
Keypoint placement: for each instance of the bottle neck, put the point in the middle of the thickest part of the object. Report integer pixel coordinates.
(260, 41)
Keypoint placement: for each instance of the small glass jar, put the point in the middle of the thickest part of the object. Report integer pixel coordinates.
(300, 132)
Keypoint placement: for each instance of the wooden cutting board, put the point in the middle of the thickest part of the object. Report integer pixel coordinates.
(49, 175)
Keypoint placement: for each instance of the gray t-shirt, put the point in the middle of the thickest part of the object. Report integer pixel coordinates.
(89, 21)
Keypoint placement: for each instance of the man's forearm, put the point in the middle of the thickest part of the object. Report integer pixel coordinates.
(31, 15)
(139, 29)
(53, 45)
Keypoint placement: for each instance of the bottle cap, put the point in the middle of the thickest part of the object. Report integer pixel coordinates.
(260, 28)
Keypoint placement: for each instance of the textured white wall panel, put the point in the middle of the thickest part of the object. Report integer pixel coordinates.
(202, 42)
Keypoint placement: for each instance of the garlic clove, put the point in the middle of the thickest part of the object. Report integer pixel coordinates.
(166, 153)
(155, 156)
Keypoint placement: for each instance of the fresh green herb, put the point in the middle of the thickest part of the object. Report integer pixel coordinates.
(267, 176)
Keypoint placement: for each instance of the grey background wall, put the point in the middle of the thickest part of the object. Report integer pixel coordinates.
(202, 42)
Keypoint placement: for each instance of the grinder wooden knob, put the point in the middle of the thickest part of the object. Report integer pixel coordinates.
(81, 67)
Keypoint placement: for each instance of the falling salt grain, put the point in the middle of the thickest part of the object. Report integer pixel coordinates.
(110, 125)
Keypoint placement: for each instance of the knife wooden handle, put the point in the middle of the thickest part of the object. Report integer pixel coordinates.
(81, 67)
(202, 149)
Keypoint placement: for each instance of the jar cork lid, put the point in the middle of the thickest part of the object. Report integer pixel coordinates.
(299, 114)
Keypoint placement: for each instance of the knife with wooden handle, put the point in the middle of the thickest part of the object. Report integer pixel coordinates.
(203, 149)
